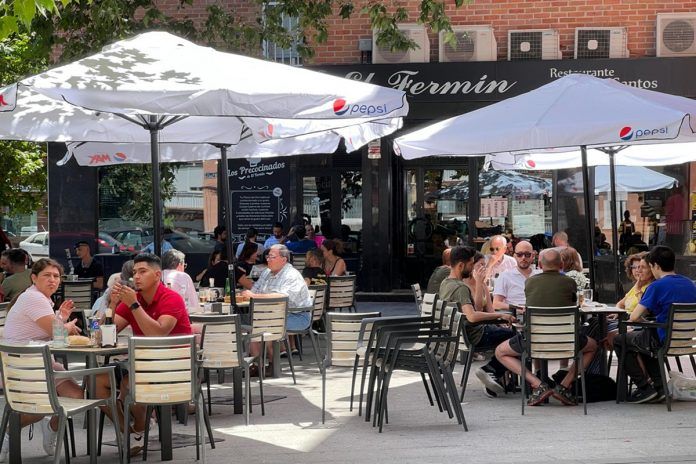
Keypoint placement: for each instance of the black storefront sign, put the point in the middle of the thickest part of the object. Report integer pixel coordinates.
(478, 83)
(259, 194)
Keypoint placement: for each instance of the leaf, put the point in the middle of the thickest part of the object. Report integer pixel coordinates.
(46, 6)
(25, 11)
(8, 25)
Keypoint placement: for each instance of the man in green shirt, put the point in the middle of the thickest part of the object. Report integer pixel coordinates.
(486, 334)
(548, 289)
(20, 279)
(440, 273)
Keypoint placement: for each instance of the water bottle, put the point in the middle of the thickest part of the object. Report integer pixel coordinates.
(58, 331)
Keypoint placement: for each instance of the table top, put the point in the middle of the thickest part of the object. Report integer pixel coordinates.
(603, 309)
(120, 348)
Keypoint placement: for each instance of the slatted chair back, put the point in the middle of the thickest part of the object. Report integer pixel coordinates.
(552, 332)
(343, 331)
(417, 294)
(162, 369)
(680, 338)
(341, 292)
(456, 329)
(80, 293)
(438, 310)
(427, 306)
(28, 382)
(299, 261)
(449, 312)
(222, 343)
(319, 301)
(268, 317)
(3, 313)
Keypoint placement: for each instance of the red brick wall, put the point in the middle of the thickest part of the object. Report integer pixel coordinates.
(563, 15)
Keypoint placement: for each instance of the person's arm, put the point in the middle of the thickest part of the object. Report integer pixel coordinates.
(479, 275)
(500, 302)
(245, 282)
(98, 283)
(480, 316)
(637, 313)
(150, 327)
(622, 303)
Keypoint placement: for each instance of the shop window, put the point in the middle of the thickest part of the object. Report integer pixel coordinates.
(276, 52)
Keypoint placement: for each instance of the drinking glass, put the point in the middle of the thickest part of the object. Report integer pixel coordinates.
(587, 294)
(581, 297)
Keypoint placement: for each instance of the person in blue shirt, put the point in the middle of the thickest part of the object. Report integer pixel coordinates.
(301, 244)
(669, 287)
(166, 246)
(276, 238)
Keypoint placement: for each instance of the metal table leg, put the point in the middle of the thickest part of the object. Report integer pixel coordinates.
(92, 423)
(237, 390)
(15, 434)
(166, 432)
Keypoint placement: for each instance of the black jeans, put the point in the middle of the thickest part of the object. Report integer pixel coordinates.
(493, 336)
(641, 343)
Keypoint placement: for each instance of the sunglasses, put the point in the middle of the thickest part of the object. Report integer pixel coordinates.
(496, 249)
(525, 254)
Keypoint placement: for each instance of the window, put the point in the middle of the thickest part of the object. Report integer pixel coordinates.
(275, 52)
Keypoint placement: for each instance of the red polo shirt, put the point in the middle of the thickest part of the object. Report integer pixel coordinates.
(166, 302)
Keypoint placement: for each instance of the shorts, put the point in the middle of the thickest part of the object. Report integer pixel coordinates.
(120, 371)
(298, 321)
(517, 343)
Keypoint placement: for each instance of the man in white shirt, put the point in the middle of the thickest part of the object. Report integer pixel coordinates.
(497, 261)
(173, 275)
(509, 286)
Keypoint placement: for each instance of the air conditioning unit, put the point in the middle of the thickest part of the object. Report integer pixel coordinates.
(601, 42)
(676, 34)
(534, 44)
(415, 32)
(474, 43)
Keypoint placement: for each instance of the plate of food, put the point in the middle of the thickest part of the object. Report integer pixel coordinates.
(78, 340)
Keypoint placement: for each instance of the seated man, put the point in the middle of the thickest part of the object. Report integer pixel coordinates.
(440, 273)
(278, 280)
(301, 244)
(668, 287)
(20, 279)
(313, 272)
(88, 267)
(173, 275)
(509, 286)
(152, 310)
(497, 261)
(548, 289)
(482, 336)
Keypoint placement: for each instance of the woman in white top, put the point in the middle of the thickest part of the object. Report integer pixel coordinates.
(31, 319)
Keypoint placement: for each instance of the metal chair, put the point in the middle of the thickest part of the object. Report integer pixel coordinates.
(343, 331)
(299, 261)
(222, 344)
(552, 333)
(341, 293)
(29, 383)
(417, 294)
(163, 371)
(427, 306)
(680, 340)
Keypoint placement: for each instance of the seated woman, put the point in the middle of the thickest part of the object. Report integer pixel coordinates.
(639, 272)
(247, 260)
(216, 270)
(31, 319)
(314, 273)
(481, 294)
(572, 267)
(334, 265)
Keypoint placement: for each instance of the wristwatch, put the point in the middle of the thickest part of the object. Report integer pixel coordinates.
(134, 306)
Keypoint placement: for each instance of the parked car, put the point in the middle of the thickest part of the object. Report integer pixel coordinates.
(140, 238)
(37, 245)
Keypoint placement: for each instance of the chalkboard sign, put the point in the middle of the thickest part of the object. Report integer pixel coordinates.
(258, 190)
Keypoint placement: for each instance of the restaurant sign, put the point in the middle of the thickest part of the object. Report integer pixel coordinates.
(258, 194)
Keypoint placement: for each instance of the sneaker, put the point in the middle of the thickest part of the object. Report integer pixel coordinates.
(489, 393)
(539, 395)
(49, 436)
(5, 451)
(489, 380)
(564, 395)
(643, 395)
(659, 398)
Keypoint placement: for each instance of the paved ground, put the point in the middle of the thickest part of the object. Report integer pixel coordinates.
(291, 430)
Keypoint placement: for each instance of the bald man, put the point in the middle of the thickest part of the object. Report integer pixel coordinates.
(440, 273)
(559, 239)
(497, 261)
(548, 289)
(509, 286)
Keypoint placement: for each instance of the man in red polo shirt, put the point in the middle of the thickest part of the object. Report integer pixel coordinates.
(152, 310)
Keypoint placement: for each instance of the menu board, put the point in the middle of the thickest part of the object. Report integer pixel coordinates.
(527, 217)
(494, 207)
(258, 194)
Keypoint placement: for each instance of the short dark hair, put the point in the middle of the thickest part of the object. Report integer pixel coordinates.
(218, 231)
(251, 232)
(248, 250)
(461, 254)
(15, 255)
(662, 256)
(79, 243)
(279, 225)
(149, 258)
(43, 263)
